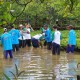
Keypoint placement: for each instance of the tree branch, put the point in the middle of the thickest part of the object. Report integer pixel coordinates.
(17, 1)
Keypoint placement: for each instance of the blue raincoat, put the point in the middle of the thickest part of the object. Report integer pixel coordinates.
(15, 35)
(48, 35)
(72, 37)
(6, 40)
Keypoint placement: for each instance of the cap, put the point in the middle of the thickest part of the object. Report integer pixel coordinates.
(5, 29)
(20, 25)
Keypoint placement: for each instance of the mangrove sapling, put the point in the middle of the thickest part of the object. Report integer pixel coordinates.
(17, 74)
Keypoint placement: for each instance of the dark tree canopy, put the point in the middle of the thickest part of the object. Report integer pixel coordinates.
(38, 12)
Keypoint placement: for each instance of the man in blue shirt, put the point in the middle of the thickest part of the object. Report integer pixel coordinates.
(71, 40)
(15, 35)
(48, 37)
(6, 40)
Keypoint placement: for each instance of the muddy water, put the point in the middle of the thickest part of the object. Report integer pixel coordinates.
(40, 64)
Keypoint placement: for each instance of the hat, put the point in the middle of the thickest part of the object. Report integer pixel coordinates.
(20, 25)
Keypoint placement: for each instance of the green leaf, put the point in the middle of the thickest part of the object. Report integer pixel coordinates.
(21, 73)
(13, 75)
(7, 78)
(16, 69)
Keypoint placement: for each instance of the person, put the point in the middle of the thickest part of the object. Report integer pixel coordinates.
(56, 37)
(27, 35)
(6, 40)
(15, 35)
(48, 37)
(22, 39)
(71, 40)
(43, 32)
(36, 40)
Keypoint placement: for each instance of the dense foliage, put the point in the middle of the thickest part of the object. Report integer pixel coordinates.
(38, 12)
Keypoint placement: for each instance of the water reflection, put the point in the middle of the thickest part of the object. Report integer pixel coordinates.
(9, 67)
(40, 64)
(66, 68)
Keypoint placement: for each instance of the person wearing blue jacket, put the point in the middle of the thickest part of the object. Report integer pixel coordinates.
(48, 37)
(6, 40)
(15, 41)
(71, 40)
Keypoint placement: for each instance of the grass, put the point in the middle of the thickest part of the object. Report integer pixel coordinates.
(35, 32)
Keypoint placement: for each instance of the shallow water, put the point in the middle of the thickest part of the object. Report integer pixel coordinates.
(40, 64)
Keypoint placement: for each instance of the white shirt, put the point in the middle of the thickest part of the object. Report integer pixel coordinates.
(27, 35)
(57, 35)
(22, 37)
(37, 36)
